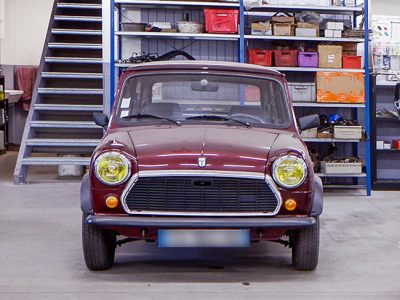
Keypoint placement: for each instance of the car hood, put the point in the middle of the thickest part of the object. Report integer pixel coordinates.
(224, 148)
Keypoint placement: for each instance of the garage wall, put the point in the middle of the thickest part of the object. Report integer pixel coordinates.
(22, 35)
(25, 28)
(386, 7)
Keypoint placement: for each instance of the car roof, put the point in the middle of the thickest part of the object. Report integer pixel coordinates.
(202, 65)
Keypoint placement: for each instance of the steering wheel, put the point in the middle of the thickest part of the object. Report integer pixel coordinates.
(252, 117)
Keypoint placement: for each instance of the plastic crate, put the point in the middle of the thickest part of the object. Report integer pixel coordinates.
(221, 20)
(303, 92)
(261, 57)
(348, 132)
(286, 58)
(308, 59)
(351, 62)
(341, 168)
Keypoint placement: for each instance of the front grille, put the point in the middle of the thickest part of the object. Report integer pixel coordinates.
(201, 194)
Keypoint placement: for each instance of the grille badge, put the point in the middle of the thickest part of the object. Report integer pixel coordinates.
(202, 162)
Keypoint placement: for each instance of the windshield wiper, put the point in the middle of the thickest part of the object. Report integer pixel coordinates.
(139, 116)
(218, 118)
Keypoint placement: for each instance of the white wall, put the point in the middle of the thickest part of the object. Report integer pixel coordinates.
(386, 7)
(26, 24)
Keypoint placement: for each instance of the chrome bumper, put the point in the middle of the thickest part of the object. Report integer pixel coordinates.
(201, 223)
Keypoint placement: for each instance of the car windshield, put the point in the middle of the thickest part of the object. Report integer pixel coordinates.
(198, 98)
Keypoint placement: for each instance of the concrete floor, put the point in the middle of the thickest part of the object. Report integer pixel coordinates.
(41, 257)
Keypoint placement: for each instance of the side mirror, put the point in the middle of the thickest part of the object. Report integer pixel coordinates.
(101, 119)
(309, 122)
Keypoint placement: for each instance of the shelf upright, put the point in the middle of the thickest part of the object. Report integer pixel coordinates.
(367, 97)
(112, 54)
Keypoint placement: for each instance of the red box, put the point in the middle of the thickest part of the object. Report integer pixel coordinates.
(396, 144)
(286, 58)
(352, 62)
(261, 57)
(221, 20)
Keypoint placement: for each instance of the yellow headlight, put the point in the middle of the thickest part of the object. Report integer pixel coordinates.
(289, 171)
(112, 168)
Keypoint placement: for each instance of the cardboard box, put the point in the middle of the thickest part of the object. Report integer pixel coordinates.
(310, 26)
(325, 135)
(339, 26)
(284, 20)
(284, 29)
(330, 56)
(329, 33)
(310, 133)
(306, 32)
(334, 26)
(337, 33)
(349, 2)
(330, 26)
(261, 28)
(338, 87)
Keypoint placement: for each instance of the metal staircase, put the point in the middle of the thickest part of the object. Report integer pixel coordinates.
(59, 129)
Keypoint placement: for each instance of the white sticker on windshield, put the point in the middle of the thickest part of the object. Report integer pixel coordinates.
(124, 113)
(126, 103)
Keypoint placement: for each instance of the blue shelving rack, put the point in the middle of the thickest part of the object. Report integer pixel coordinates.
(241, 41)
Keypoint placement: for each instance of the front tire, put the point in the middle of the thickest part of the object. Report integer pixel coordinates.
(305, 251)
(98, 246)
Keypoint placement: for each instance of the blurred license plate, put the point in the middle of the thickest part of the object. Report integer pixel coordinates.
(203, 238)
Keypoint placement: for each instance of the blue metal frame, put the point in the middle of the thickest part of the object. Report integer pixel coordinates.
(112, 54)
(242, 46)
(367, 99)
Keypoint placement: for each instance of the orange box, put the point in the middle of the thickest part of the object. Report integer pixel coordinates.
(338, 87)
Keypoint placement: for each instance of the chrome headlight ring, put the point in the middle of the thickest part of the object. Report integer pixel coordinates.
(124, 160)
(294, 158)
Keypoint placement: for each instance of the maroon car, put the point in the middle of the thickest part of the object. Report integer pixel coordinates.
(201, 154)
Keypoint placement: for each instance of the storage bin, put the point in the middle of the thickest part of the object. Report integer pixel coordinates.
(341, 168)
(308, 59)
(351, 62)
(310, 133)
(286, 58)
(303, 92)
(261, 57)
(221, 20)
(348, 132)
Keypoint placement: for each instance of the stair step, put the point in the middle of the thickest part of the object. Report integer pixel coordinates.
(72, 75)
(89, 143)
(75, 46)
(64, 124)
(70, 91)
(74, 60)
(77, 31)
(78, 18)
(79, 5)
(64, 107)
(56, 161)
